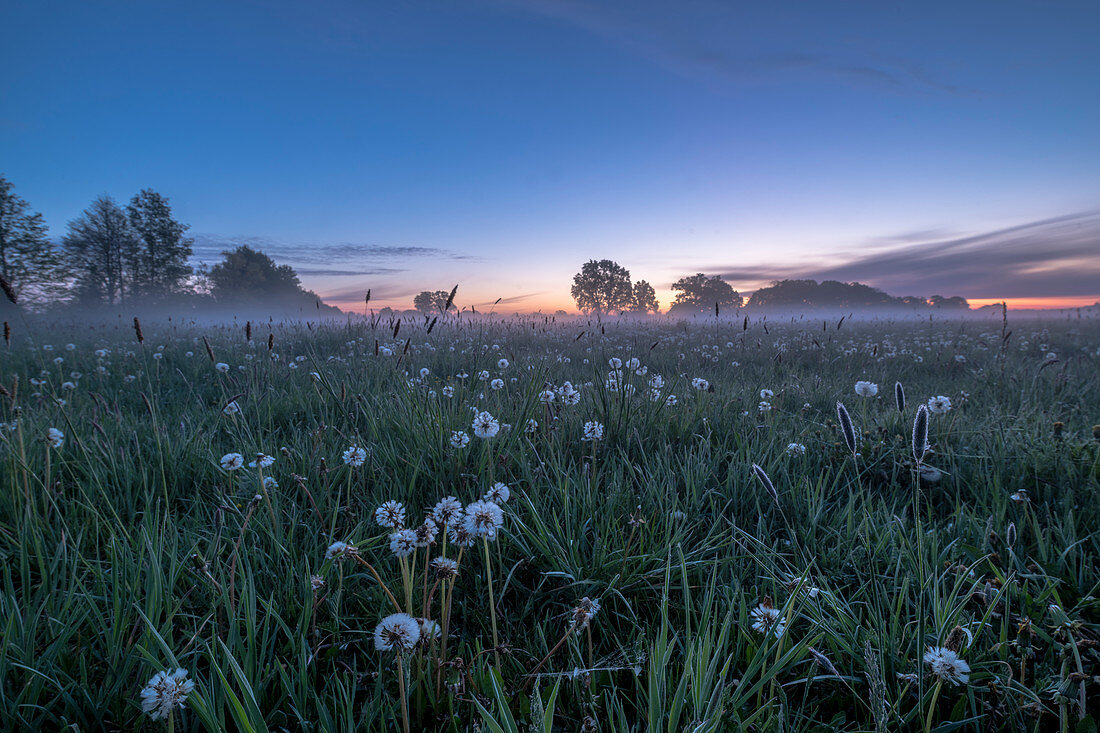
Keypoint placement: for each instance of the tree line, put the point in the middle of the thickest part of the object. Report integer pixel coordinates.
(604, 287)
(114, 255)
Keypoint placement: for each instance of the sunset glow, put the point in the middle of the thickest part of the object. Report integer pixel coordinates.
(499, 145)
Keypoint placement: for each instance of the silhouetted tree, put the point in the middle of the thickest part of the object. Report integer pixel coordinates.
(834, 294)
(938, 301)
(29, 261)
(643, 299)
(162, 266)
(248, 274)
(431, 301)
(602, 286)
(102, 249)
(700, 292)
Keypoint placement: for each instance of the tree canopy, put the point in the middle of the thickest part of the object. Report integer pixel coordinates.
(699, 293)
(643, 298)
(602, 287)
(431, 301)
(29, 261)
(103, 250)
(249, 274)
(162, 265)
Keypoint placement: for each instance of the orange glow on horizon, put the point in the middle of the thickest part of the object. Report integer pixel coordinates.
(1047, 303)
(549, 306)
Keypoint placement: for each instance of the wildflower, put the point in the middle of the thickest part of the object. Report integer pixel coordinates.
(585, 611)
(485, 425)
(796, 449)
(446, 510)
(947, 666)
(339, 550)
(766, 618)
(429, 629)
(764, 406)
(270, 482)
(445, 567)
(483, 519)
(390, 515)
(531, 426)
(232, 408)
(55, 438)
(355, 456)
(568, 394)
(222, 367)
(546, 396)
(398, 631)
(866, 389)
(448, 391)
(700, 384)
(1020, 497)
(426, 532)
(262, 461)
(592, 431)
(460, 534)
(232, 461)
(403, 542)
(615, 362)
(498, 493)
(502, 364)
(165, 692)
(766, 394)
(459, 439)
(939, 405)
(316, 582)
(497, 384)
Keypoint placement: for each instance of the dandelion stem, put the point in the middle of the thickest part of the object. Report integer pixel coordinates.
(389, 594)
(492, 602)
(401, 687)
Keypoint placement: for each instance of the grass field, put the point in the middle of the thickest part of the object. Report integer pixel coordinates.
(645, 579)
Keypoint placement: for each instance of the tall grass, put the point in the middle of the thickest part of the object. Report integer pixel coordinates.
(139, 552)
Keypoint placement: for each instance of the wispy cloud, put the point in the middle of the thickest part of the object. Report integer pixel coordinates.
(302, 254)
(1052, 257)
(511, 299)
(665, 34)
(320, 272)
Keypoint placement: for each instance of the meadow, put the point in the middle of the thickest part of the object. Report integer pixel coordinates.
(655, 525)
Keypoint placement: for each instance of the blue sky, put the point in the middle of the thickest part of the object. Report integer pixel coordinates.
(500, 144)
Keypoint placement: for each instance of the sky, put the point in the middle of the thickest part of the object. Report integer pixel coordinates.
(924, 148)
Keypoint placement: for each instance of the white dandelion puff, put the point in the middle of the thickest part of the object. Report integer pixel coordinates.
(165, 692)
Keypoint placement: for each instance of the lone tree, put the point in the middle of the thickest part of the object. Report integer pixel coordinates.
(431, 301)
(644, 298)
(103, 251)
(29, 261)
(602, 286)
(248, 274)
(699, 292)
(162, 266)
